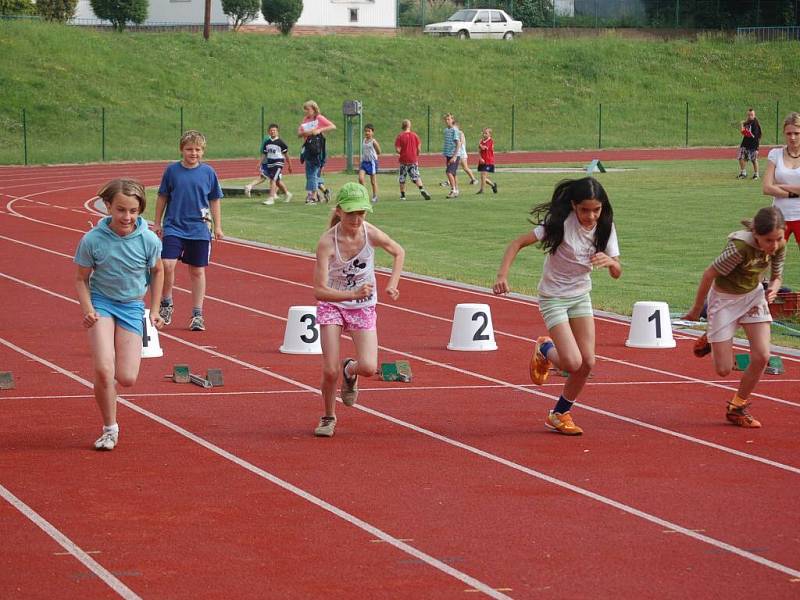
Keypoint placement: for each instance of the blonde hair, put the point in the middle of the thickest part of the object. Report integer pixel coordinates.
(489, 129)
(126, 187)
(193, 137)
(405, 125)
(313, 106)
(792, 119)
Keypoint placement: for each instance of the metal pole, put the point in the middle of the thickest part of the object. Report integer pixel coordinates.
(429, 128)
(513, 124)
(25, 135)
(600, 125)
(777, 118)
(103, 134)
(677, 13)
(687, 125)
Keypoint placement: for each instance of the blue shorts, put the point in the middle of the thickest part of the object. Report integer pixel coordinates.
(272, 172)
(370, 167)
(128, 315)
(192, 252)
(451, 167)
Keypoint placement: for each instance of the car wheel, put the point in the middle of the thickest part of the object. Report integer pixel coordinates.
(509, 35)
(463, 34)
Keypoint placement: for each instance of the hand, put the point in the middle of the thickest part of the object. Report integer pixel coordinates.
(501, 286)
(156, 320)
(157, 229)
(218, 235)
(692, 315)
(393, 293)
(772, 293)
(90, 319)
(600, 260)
(365, 291)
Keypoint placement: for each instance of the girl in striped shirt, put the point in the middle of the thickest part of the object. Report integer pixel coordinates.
(732, 287)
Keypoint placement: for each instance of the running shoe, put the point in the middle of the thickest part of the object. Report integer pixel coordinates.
(739, 415)
(539, 365)
(326, 427)
(755, 176)
(197, 323)
(269, 201)
(349, 391)
(702, 346)
(494, 188)
(452, 194)
(425, 194)
(107, 441)
(327, 193)
(562, 423)
(165, 312)
(248, 190)
(288, 197)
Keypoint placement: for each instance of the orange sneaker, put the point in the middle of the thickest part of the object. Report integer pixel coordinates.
(702, 346)
(739, 415)
(539, 366)
(562, 423)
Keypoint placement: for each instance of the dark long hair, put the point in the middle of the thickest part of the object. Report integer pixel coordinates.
(551, 215)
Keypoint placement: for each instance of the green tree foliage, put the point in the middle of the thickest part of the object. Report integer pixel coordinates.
(534, 13)
(17, 7)
(726, 14)
(241, 11)
(120, 12)
(56, 10)
(282, 13)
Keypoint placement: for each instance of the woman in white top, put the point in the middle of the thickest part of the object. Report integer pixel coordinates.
(576, 229)
(344, 285)
(782, 179)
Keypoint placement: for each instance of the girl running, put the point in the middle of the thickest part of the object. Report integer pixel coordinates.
(344, 285)
(576, 229)
(732, 287)
(117, 260)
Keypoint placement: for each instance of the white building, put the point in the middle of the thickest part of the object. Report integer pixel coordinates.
(316, 13)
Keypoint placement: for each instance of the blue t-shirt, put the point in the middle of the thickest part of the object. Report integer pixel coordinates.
(121, 264)
(451, 135)
(188, 193)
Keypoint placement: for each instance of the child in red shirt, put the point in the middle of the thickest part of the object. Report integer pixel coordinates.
(486, 160)
(407, 144)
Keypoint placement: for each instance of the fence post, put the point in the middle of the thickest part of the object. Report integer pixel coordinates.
(429, 128)
(25, 136)
(103, 134)
(513, 125)
(600, 125)
(777, 119)
(686, 143)
(181, 131)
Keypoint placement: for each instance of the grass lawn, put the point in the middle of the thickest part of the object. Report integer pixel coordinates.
(672, 219)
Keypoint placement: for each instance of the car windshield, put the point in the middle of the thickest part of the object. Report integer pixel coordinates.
(463, 15)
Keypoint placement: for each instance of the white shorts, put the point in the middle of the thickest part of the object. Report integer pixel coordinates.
(727, 311)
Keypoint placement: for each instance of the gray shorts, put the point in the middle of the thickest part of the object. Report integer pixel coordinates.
(451, 167)
(411, 171)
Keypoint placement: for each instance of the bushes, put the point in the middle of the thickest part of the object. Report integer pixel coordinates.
(282, 13)
(241, 11)
(17, 7)
(56, 10)
(120, 12)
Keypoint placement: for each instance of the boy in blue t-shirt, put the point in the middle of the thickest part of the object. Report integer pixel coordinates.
(189, 201)
(274, 156)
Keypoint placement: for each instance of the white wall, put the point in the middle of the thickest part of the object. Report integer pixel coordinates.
(565, 8)
(319, 13)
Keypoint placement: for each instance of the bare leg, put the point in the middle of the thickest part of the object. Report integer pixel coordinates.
(331, 367)
(169, 276)
(574, 343)
(198, 280)
(759, 336)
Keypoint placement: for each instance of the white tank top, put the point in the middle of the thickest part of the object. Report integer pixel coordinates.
(368, 150)
(353, 273)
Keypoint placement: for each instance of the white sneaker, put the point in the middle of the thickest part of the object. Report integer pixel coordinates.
(326, 427)
(248, 190)
(269, 201)
(288, 197)
(374, 200)
(107, 441)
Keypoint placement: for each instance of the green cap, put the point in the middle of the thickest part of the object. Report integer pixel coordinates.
(352, 197)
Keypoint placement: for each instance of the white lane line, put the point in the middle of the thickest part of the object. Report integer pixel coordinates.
(449, 367)
(289, 487)
(71, 547)
(663, 523)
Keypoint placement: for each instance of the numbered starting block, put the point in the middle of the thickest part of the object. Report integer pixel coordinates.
(302, 332)
(472, 329)
(214, 376)
(180, 374)
(650, 326)
(396, 371)
(6, 380)
(774, 366)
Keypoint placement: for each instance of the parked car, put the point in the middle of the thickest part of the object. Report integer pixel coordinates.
(477, 23)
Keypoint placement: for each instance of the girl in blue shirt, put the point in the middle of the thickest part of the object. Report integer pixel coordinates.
(117, 260)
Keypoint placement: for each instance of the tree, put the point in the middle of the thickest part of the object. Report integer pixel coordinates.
(534, 13)
(120, 12)
(283, 13)
(56, 10)
(241, 11)
(17, 7)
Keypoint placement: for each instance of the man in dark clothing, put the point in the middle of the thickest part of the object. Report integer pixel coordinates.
(748, 149)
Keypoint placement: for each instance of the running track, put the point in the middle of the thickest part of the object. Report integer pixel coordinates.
(448, 487)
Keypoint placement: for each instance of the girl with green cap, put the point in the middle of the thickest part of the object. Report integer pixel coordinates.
(345, 287)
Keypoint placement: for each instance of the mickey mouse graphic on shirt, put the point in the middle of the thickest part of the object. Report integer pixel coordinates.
(353, 272)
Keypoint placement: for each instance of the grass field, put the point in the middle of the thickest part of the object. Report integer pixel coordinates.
(672, 220)
(67, 78)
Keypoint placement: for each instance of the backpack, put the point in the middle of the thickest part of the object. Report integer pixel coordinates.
(314, 146)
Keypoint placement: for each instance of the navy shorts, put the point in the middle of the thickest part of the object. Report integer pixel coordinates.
(272, 172)
(192, 252)
(370, 167)
(451, 167)
(486, 168)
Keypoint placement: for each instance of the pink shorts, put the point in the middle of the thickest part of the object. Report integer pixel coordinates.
(351, 319)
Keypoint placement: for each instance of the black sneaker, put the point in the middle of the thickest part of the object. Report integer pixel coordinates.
(478, 192)
(327, 193)
(494, 188)
(741, 176)
(755, 176)
(425, 194)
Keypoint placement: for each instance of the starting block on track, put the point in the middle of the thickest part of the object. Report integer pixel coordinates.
(397, 371)
(6, 380)
(201, 381)
(214, 376)
(774, 366)
(180, 374)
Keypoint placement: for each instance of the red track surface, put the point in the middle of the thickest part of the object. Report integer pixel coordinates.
(427, 490)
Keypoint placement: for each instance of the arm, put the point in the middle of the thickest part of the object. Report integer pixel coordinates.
(770, 188)
(161, 204)
(601, 260)
(216, 216)
(321, 289)
(377, 147)
(288, 161)
(156, 286)
(501, 283)
(90, 316)
(706, 281)
(379, 239)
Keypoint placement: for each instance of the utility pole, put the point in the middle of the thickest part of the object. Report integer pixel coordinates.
(207, 20)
